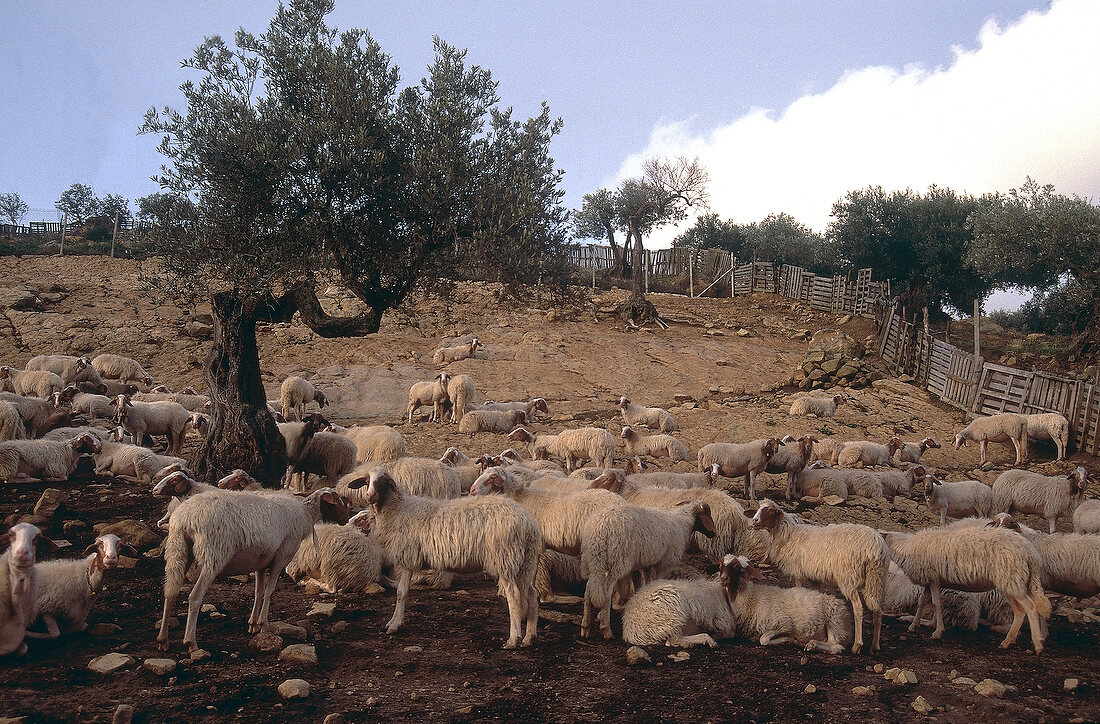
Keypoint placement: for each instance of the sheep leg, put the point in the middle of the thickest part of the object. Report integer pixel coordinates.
(771, 638)
(261, 583)
(516, 612)
(982, 446)
(876, 618)
(750, 488)
(586, 615)
(920, 607)
(1017, 622)
(792, 492)
(687, 642)
(1053, 524)
(1038, 634)
(194, 604)
(937, 605)
(605, 612)
(560, 599)
(532, 616)
(857, 619)
(398, 618)
(52, 629)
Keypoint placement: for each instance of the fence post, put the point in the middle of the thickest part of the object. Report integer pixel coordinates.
(645, 268)
(113, 235)
(64, 223)
(592, 261)
(977, 327)
(733, 276)
(691, 273)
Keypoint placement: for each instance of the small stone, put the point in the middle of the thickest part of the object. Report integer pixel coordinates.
(744, 332)
(304, 654)
(414, 649)
(1070, 684)
(208, 608)
(110, 663)
(15, 720)
(991, 687)
(906, 677)
(104, 629)
(680, 656)
(266, 642)
(373, 589)
(160, 667)
(51, 500)
(810, 689)
(921, 705)
(200, 654)
(294, 689)
(124, 714)
(334, 719)
(636, 656)
(468, 709)
(892, 674)
(963, 681)
(863, 691)
(341, 626)
(879, 668)
(322, 609)
(288, 631)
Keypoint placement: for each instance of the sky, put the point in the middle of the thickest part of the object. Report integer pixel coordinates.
(790, 105)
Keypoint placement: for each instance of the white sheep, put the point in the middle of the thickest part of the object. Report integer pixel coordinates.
(910, 452)
(1071, 561)
(678, 613)
(153, 418)
(295, 393)
(467, 469)
(530, 408)
(827, 449)
(571, 446)
(658, 446)
(460, 396)
(502, 421)
(482, 533)
(176, 481)
(39, 416)
(616, 541)
(654, 418)
(70, 369)
(18, 585)
(511, 456)
(444, 355)
(193, 401)
(959, 499)
(429, 392)
(960, 609)
(1004, 428)
(852, 557)
(68, 433)
(85, 403)
(30, 383)
(1023, 491)
(819, 480)
(1086, 517)
(344, 558)
(297, 437)
(125, 369)
(792, 458)
(66, 587)
(11, 424)
(132, 461)
(819, 406)
(865, 453)
(976, 559)
(736, 459)
(233, 533)
(415, 475)
(900, 482)
(376, 442)
(1050, 426)
(51, 461)
(327, 454)
(667, 479)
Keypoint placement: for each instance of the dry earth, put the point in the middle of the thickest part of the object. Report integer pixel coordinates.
(446, 663)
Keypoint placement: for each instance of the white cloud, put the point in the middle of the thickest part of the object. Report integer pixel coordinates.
(1025, 102)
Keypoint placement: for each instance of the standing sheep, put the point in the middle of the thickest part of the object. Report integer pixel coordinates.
(124, 369)
(327, 454)
(654, 418)
(18, 585)
(966, 497)
(1050, 426)
(444, 355)
(536, 404)
(1023, 491)
(11, 424)
(657, 446)
(378, 443)
(960, 609)
(429, 392)
(792, 459)
(736, 459)
(153, 418)
(416, 476)
(1005, 428)
(460, 396)
(571, 446)
(295, 393)
(819, 406)
(30, 383)
(70, 369)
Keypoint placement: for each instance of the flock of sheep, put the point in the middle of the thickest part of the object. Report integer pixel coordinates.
(545, 524)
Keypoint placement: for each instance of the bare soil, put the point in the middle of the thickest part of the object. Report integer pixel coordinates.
(446, 663)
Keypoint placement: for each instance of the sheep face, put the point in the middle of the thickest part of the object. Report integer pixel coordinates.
(767, 516)
(628, 433)
(236, 480)
(541, 406)
(1004, 520)
(838, 399)
(491, 481)
(333, 507)
(704, 523)
(24, 540)
(623, 402)
(1079, 482)
(520, 434)
(929, 442)
(319, 398)
(87, 443)
(176, 484)
(894, 445)
(931, 487)
(107, 548)
(363, 520)
(168, 470)
(609, 481)
(380, 487)
(771, 445)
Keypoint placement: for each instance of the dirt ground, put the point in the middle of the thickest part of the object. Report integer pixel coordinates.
(446, 663)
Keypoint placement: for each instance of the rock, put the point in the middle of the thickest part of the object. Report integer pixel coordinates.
(340, 626)
(1070, 684)
(338, 719)
(863, 691)
(373, 589)
(289, 631)
(322, 609)
(832, 500)
(963, 681)
(891, 674)
(160, 667)
(818, 374)
(132, 532)
(110, 663)
(303, 654)
(559, 616)
(200, 654)
(905, 378)
(51, 500)
(413, 649)
(832, 343)
(104, 629)
(850, 369)
(294, 689)
(553, 315)
(744, 332)
(906, 677)
(266, 642)
(814, 358)
(844, 320)
(830, 366)
(879, 668)
(681, 397)
(124, 714)
(15, 720)
(680, 656)
(20, 298)
(991, 687)
(921, 706)
(198, 330)
(767, 388)
(810, 689)
(636, 656)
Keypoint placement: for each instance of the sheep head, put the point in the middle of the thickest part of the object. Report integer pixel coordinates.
(1004, 520)
(628, 433)
(704, 523)
(363, 520)
(320, 398)
(1079, 482)
(894, 445)
(610, 480)
(175, 484)
(929, 442)
(521, 434)
(237, 480)
(838, 399)
(623, 402)
(380, 487)
(24, 540)
(168, 470)
(107, 548)
(491, 481)
(86, 443)
(541, 406)
(767, 516)
(332, 505)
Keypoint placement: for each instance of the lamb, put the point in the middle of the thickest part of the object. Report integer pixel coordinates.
(1050, 426)
(819, 406)
(1049, 496)
(557, 574)
(478, 533)
(234, 533)
(124, 369)
(460, 395)
(735, 459)
(1086, 518)
(18, 585)
(792, 459)
(976, 559)
(11, 424)
(1005, 428)
(654, 445)
(376, 442)
(39, 416)
(960, 609)
(85, 403)
(50, 461)
(572, 446)
(966, 497)
(467, 470)
(900, 482)
(153, 418)
(295, 394)
(666, 479)
(1071, 561)
(444, 355)
(866, 453)
(529, 408)
(344, 558)
(654, 418)
(416, 476)
(726, 514)
(615, 541)
(667, 612)
(910, 452)
(133, 461)
(70, 369)
(66, 587)
(327, 454)
(30, 383)
(852, 557)
(429, 392)
(502, 421)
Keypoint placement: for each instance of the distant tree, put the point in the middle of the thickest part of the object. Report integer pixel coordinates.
(1032, 236)
(12, 208)
(710, 231)
(78, 202)
(164, 207)
(598, 219)
(112, 204)
(782, 239)
(1066, 310)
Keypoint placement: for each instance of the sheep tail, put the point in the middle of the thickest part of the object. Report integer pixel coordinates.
(1037, 594)
(874, 581)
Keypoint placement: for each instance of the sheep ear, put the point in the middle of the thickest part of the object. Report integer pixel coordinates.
(45, 544)
(90, 549)
(920, 471)
(129, 550)
(704, 523)
(360, 482)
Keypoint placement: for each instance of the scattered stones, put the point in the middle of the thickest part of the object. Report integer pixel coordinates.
(294, 689)
(921, 705)
(1070, 684)
(340, 626)
(110, 663)
(413, 649)
(680, 656)
(160, 667)
(863, 691)
(104, 629)
(900, 676)
(51, 500)
(200, 654)
(132, 532)
(879, 668)
(303, 654)
(636, 656)
(991, 687)
(334, 719)
(810, 689)
(266, 642)
(963, 681)
(124, 714)
(289, 631)
(373, 589)
(322, 609)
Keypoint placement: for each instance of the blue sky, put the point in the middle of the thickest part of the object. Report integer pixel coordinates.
(790, 104)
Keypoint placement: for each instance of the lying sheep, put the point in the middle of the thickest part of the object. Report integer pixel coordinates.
(66, 587)
(1023, 491)
(1005, 428)
(556, 576)
(512, 457)
(827, 449)
(38, 416)
(85, 403)
(124, 369)
(482, 533)
(444, 355)
(819, 406)
(852, 557)
(736, 459)
(1071, 561)
(70, 369)
(654, 418)
(960, 609)
(193, 401)
(169, 419)
(1050, 426)
(110, 388)
(900, 482)
(50, 461)
(529, 408)
(966, 497)
(501, 421)
(467, 469)
(295, 393)
(235, 533)
(679, 613)
(792, 458)
(666, 479)
(865, 453)
(460, 396)
(658, 446)
(30, 383)
(376, 442)
(1086, 517)
(429, 392)
(18, 585)
(343, 558)
(571, 446)
(820, 480)
(132, 461)
(910, 452)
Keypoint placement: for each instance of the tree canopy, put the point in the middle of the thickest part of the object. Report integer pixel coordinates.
(13, 208)
(78, 202)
